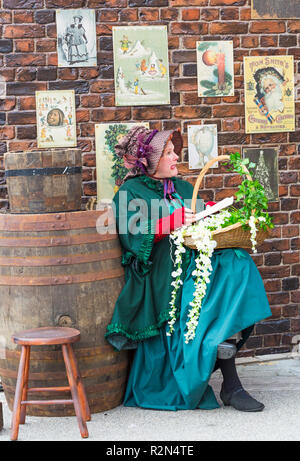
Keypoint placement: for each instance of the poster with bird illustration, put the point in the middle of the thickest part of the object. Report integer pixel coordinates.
(215, 73)
(202, 145)
(141, 65)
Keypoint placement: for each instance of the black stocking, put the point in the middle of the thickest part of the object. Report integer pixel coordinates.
(231, 380)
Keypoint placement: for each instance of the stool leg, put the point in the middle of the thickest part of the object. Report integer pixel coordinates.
(71, 378)
(18, 396)
(25, 386)
(81, 390)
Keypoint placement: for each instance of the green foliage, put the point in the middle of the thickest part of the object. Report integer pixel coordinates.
(250, 196)
(112, 136)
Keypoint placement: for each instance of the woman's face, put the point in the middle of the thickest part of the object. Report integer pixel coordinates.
(167, 165)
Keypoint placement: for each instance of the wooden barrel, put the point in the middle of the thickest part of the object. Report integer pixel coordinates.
(44, 181)
(56, 269)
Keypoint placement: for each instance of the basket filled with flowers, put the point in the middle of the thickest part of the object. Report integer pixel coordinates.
(243, 225)
(246, 226)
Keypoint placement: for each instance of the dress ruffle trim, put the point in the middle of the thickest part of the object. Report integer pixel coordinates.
(117, 330)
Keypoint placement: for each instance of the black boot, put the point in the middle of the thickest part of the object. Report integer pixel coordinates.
(232, 392)
(240, 400)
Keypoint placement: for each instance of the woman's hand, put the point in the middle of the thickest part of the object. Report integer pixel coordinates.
(189, 216)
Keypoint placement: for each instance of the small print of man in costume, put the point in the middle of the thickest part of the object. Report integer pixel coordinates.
(269, 91)
(76, 40)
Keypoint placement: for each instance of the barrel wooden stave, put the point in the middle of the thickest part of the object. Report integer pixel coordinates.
(44, 193)
(52, 300)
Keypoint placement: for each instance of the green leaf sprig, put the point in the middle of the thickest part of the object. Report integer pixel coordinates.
(250, 196)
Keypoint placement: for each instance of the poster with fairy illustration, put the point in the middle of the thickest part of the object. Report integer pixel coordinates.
(215, 73)
(269, 94)
(141, 65)
(110, 168)
(56, 118)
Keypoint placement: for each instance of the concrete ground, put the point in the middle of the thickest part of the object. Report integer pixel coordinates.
(273, 380)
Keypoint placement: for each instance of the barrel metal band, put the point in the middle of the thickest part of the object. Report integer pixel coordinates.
(68, 170)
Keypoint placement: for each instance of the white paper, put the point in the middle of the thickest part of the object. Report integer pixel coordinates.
(215, 208)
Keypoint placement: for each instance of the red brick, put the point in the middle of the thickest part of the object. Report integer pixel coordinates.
(190, 14)
(24, 46)
(107, 15)
(293, 26)
(190, 112)
(46, 45)
(24, 31)
(151, 113)
(170, 14)
(128, 14)
(107, 115)
(267, 27)
(188, 2)
(228, 28)
(232, 110)
(149, 14)
(189, 28)
(228, 2)
(23, 16)
(7, 132)
(27, 103)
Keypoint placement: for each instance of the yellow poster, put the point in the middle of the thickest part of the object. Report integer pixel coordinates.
(269, 94)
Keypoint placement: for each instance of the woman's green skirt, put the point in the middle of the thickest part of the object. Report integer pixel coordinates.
(167, 373)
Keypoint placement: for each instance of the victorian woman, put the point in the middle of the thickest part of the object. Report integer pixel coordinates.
(76, 40)
(167, 373)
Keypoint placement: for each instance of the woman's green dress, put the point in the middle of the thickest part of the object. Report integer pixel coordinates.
(167, 373)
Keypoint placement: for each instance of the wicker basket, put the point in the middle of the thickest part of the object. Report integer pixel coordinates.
(233, 236)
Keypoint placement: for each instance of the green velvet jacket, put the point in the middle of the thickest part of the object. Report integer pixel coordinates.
(143, 304)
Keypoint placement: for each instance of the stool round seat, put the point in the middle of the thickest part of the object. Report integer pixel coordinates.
(46, 335)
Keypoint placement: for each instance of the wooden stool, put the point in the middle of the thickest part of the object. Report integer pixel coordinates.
(48, 336)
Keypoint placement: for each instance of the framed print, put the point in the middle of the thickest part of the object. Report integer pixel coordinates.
(269, 94)
(202, 145)
(141, 65)
(266, 169)
(76, 38)
(56, 118)
(215, 72)
(275, 9)
(110, 168)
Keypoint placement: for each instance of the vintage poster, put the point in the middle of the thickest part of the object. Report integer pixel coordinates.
(56, 118)
(141, 65)
(110, 168)
(275, 9)
(269, 94)
(215, 73)
(202, 145)
(265, 170)
(76, 38)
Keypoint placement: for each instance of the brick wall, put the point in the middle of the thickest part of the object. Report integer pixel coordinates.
(29, 63)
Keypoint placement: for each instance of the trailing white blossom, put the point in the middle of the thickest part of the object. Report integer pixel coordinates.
(201, 233)
(253, 231)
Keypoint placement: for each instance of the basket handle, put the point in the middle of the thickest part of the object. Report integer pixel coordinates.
(204, 170)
